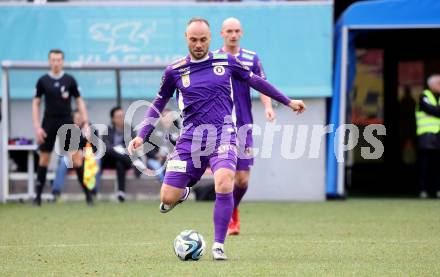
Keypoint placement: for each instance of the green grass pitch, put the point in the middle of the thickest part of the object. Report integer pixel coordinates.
(349, 238)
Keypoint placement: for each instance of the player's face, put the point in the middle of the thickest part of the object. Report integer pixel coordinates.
(232, 33)
(118, 119)
(198, 37)
(56, 62)
(436, 85)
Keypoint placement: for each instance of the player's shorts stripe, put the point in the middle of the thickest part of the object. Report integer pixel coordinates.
(180, 102)
(234, 115)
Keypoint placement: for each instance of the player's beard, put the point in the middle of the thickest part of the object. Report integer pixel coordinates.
(198, 55)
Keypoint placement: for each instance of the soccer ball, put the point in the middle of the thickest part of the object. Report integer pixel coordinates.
(189, 245)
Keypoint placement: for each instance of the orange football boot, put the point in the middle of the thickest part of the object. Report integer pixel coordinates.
(234, 224)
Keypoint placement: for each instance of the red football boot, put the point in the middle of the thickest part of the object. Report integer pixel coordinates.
(234, 224)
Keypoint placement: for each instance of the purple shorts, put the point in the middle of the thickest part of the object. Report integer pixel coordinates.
(245, 157)
(189, 161)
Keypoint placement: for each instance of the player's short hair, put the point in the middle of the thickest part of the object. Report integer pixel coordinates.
(113, 110)
(198, 19)
(56, 51)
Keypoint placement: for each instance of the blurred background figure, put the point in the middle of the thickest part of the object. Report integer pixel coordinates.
(62, 169)
(116, 155)
(58, 89)
(428, 132)
(407, 125)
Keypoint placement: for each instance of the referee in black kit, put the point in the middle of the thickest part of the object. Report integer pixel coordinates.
(58, 89)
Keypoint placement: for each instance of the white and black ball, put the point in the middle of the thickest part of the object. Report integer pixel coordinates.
(189, 245)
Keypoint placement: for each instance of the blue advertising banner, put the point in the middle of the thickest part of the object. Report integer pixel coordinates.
(294, 42)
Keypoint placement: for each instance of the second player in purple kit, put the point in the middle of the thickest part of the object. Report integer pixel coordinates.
(203, 84)
(232, 33)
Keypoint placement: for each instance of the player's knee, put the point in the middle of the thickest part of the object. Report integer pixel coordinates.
(168, 198)
(225, 184)
(241, 181)
(44, 159)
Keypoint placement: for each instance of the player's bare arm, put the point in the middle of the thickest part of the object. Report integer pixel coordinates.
(39, 131)
(268, 110)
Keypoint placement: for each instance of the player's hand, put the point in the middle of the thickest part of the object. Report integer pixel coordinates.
(297, 106)
(86, 131)
(41, 135)
(270, 114)
(134, 145)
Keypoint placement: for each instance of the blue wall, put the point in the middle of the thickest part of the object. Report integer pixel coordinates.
(294, 42)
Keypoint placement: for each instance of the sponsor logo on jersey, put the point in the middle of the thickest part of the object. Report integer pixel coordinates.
(219, 70)
(220, 63)
(248, 63)
(220, 56)
(176, 166)
(247, 56)
(184, 71)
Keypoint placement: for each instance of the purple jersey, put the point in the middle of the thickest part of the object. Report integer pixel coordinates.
(204, 90)
(242, 91)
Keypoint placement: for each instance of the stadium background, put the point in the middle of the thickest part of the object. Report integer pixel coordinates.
(366, 237)
(301, 44)
(294, 41)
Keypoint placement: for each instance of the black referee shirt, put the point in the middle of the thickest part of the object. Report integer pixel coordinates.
(58, 92)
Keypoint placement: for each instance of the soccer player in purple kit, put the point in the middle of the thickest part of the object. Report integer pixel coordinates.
(203, 83)
(232, 33)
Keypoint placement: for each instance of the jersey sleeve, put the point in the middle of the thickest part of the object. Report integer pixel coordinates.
(167, 85)
(258, 68)
(39, 89)
(75, 91)
(239, 70)
(166, 91)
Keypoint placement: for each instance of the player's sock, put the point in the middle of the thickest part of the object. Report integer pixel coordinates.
(41, 181)
(238, 194)
(185, 194)
(224, 204)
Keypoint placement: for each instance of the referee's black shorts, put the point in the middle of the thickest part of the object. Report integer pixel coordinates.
(51, 126)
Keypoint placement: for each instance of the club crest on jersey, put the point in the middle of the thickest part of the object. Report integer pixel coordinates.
(185, 80)
(219, 70)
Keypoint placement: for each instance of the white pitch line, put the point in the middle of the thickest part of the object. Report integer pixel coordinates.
(62, 245)
(362, 241)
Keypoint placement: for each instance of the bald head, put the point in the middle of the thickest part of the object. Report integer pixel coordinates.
(198, 37)
(434, 83)
(231, 33)
(231, 22)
